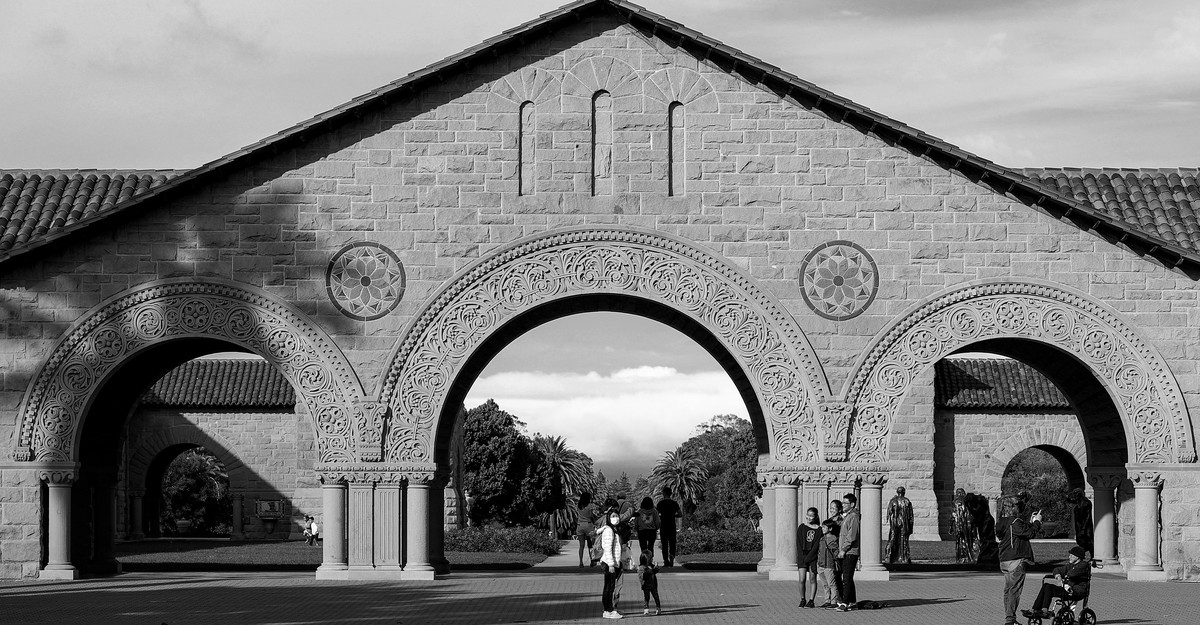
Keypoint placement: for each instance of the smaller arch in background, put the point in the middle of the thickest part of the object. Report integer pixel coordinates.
(188, 437)
(1058, 442)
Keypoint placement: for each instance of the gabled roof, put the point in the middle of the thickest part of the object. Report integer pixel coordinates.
(1002, 180)
(221, 383)
(993, 384)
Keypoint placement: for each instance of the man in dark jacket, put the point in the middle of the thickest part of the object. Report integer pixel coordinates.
(1075, 577)
(1013, 533)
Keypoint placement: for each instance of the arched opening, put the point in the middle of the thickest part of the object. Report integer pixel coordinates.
(187, 494)
(1045, 473)
(665, 347)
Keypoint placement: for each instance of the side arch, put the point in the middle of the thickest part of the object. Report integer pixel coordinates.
(1146, 394)
(765, 342)
(140, 461)
(64, 389)
(1064, 442)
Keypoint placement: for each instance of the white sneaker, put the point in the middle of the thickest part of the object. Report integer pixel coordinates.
(645, 611)
(657, 611)
(608, 615)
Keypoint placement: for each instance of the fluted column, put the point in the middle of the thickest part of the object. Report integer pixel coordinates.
(238, 529)
(1147, 564)
(785, 532)
(58, 560)
(333, 531)
(388, 531)
(437, 525)
(1104, 516)
(136, 524)
(767, 525)
(417, 565)
(360, 527)
(870, 538)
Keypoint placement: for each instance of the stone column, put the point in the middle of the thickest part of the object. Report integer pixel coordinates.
(1104, 516)
(388, 531)
(437, 526)
(416, 550)
(238, 531)
(814, 495)
(58, 560)
(785, 532)
(333, 531)
(870, 538)
(104, 524)
(1147, 564)
(136, 525)
(360, 527)
(767, 525)
(993, 504)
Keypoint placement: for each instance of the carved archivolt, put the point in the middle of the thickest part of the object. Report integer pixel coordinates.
(685, 86)
(529, 84)
(766, 343)
(1069, 439)
(600, 73)
(1138, 379)
(53, 412)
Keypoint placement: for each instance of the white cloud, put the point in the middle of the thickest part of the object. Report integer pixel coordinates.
(627, 419)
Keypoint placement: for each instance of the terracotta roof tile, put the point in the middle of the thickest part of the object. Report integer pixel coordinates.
(994, 384)
(1158, 202)
(222, 384)
(37, 203)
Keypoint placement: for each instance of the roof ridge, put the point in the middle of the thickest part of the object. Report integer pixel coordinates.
(88, 170)
(1113, 170)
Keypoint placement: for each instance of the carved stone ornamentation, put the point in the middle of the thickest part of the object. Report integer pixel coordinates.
(370, 419)
(758, 334)
(58, 476)
(835, 429)
(1146, 479)
(839, 280)
(365, 281)
(1107, 481)
(53, 411)
(376, 472)
(1147, 395)
(822, 473)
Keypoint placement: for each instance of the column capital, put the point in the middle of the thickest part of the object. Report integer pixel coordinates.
(817, 473)
(137, 492)
(873, 480)
(1146, 479)
(376, 472)
(58, 473)
(1105, 480)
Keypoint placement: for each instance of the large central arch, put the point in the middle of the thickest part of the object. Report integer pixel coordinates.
(1146, 395)
(771, 350)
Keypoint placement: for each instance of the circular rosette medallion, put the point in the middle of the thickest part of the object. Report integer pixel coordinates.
(839, 280)
(365, 281)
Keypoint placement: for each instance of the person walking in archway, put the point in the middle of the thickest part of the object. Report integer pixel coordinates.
(900, 527)
(585, 524)
(647, 523)
(1013, 533)
(848, 550)
(668, 512)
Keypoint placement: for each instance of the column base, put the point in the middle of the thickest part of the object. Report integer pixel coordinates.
(62, 572)
(1135, 574)
(418, 574)
(784, 575)
(332, 571)
(873, 575)
(441, 566)
(765, 565)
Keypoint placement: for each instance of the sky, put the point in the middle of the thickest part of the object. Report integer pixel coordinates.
(1026, 83)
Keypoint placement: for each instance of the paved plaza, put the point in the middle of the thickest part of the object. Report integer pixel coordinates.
(549, 593)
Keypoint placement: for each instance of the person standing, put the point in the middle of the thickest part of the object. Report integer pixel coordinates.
(808, 539)
(585, 524)
(900, 527)
(668, 512)
(647, 522)
(828, 563)
(964, 530)
(1081, 514)
(1013, 533)
(835, 512)
(848, 550)
(610, 561)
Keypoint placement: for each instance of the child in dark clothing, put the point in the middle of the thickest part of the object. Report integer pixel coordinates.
(648, 573)
(1075, 576)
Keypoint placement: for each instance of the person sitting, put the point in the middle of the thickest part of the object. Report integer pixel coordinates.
(1075, 578)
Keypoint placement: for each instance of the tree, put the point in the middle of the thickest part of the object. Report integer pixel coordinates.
(501, 468)
(195, 492)
(728, 450)
(683, 472)
(1040, 474)
(569, 471)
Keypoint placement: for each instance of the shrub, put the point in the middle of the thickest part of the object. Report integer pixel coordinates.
(501, 539)
(708, 540)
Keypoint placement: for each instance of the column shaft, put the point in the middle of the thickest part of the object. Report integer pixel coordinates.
(136, 525)
(767, 525)
(870, 538)
(360, 527)
(333, 531)
(58, 562)
(785, 532)
(1106, 526)
(388, 531)
(238, 531)
(1146, 528)
(416, 550)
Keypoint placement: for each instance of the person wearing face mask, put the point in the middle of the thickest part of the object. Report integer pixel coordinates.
(609, 544)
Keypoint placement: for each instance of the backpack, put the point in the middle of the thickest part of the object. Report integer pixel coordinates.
(647, 520)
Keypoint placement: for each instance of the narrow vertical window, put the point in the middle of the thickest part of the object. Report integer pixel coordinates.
(525, 150)
(602, 139)
(675, 149)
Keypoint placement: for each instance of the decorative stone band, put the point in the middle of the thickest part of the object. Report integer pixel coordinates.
(787, 475)
(378, 473)
(756, 331)
(106, 337)
(1147, 394)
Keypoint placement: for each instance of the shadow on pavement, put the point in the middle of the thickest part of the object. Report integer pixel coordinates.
(710, 609)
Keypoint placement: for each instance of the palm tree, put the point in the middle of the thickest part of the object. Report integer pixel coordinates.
(571, 472)
(683, 472)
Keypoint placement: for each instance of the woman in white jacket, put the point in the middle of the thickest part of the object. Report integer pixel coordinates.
(610, 561)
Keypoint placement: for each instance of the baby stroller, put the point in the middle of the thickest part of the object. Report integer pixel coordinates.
(1069, 610)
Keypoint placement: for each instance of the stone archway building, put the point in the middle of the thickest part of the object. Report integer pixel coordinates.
(600, 157)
